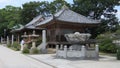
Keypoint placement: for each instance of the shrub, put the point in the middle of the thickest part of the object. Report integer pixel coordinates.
(34, 50)
(25, 49)
(15, 46)
(39, 41)
(106, 44)
(9, 45)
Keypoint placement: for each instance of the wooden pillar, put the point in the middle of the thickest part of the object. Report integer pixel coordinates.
(59, 32)
(1, 39)
(18, 39)
(12, 39)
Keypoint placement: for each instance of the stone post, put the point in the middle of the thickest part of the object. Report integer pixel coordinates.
(12, 39)
(8, 41)
(61, 46)
(70, 48)
(44, 36)
(83, 52)
(43, 45)
(57, 47)
(65, 51)
(97, 51)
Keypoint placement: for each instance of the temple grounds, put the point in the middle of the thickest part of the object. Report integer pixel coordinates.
(13, 59)
(105, 61)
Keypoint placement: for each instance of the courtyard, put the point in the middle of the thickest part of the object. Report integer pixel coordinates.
(14, 59)
(105, 61)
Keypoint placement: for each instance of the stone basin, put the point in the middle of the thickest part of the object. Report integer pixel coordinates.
(77, 37)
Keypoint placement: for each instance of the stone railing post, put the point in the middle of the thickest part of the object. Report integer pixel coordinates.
(70, 48)
(83, 52)
(61, 46)
(97, 51)
(65, 51)
(8, 41)
(57, 48)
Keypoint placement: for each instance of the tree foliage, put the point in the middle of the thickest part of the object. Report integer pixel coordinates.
(96, 9)
(106, 42)
(9, 17)
(99, 9)
(56, 5)
(29, 11)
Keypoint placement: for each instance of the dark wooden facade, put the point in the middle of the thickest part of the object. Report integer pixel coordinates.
(57, 29)
(18, 33)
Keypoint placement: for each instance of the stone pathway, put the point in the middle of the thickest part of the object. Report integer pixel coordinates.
(12, 59)
(104, 62)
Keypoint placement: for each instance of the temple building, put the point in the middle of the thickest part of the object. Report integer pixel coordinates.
(64, 22)
(28, 28)
(52, 29)
(66, 30)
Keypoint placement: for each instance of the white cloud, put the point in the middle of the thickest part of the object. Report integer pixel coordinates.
(118, 13)
(17, 3)
(1, 1)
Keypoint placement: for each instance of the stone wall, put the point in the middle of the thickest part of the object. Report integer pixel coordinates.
(83, 53)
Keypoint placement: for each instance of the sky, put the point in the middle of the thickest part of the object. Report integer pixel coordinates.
(18, 3)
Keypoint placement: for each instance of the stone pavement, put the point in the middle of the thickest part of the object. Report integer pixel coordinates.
(12, 59)
(104, 62)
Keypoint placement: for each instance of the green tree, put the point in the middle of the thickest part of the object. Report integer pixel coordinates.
(9, 17)
(29, 11)
(44, 8)
(95, 9)
(56, 5)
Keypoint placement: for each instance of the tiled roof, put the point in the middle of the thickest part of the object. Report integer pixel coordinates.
(34, 21)
(31, 25)
(67, 15)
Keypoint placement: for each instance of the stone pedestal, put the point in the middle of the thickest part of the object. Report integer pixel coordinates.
(33, 48)
(33, 44)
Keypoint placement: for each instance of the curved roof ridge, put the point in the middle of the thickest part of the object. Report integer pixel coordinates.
(64, 7)
(71, 16)
(59, 13)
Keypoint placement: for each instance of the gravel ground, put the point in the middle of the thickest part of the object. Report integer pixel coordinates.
(104, 62)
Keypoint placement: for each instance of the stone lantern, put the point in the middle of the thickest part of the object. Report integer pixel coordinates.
(33, 39)
(25, 36)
